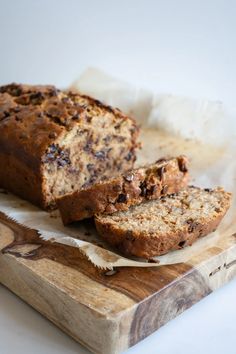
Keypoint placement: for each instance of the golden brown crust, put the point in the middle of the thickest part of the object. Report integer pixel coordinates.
(141, 244)
(116, 194)
(33, 118)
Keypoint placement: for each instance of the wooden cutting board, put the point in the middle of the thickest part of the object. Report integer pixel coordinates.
(106, 311)
(109, 311)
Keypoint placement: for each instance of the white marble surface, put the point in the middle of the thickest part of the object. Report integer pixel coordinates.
(182, 47)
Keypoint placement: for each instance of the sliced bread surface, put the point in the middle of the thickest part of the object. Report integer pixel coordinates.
(165, 176)
(158, 226)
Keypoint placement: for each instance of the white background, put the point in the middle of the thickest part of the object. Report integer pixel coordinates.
(184, 47)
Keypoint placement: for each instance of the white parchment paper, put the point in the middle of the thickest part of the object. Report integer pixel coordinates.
(205, 120)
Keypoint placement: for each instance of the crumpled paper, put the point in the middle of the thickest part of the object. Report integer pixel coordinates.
(211, 165)
(183, 116)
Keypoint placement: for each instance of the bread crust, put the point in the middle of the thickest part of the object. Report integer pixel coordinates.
(33, 118)
(166, 176)
(141, 244)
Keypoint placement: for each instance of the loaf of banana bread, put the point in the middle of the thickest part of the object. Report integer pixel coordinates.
(54, 142)
(165, 176)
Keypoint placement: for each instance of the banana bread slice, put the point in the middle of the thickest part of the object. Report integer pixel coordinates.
(158, 226)
(131, 188)
(54, 142)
